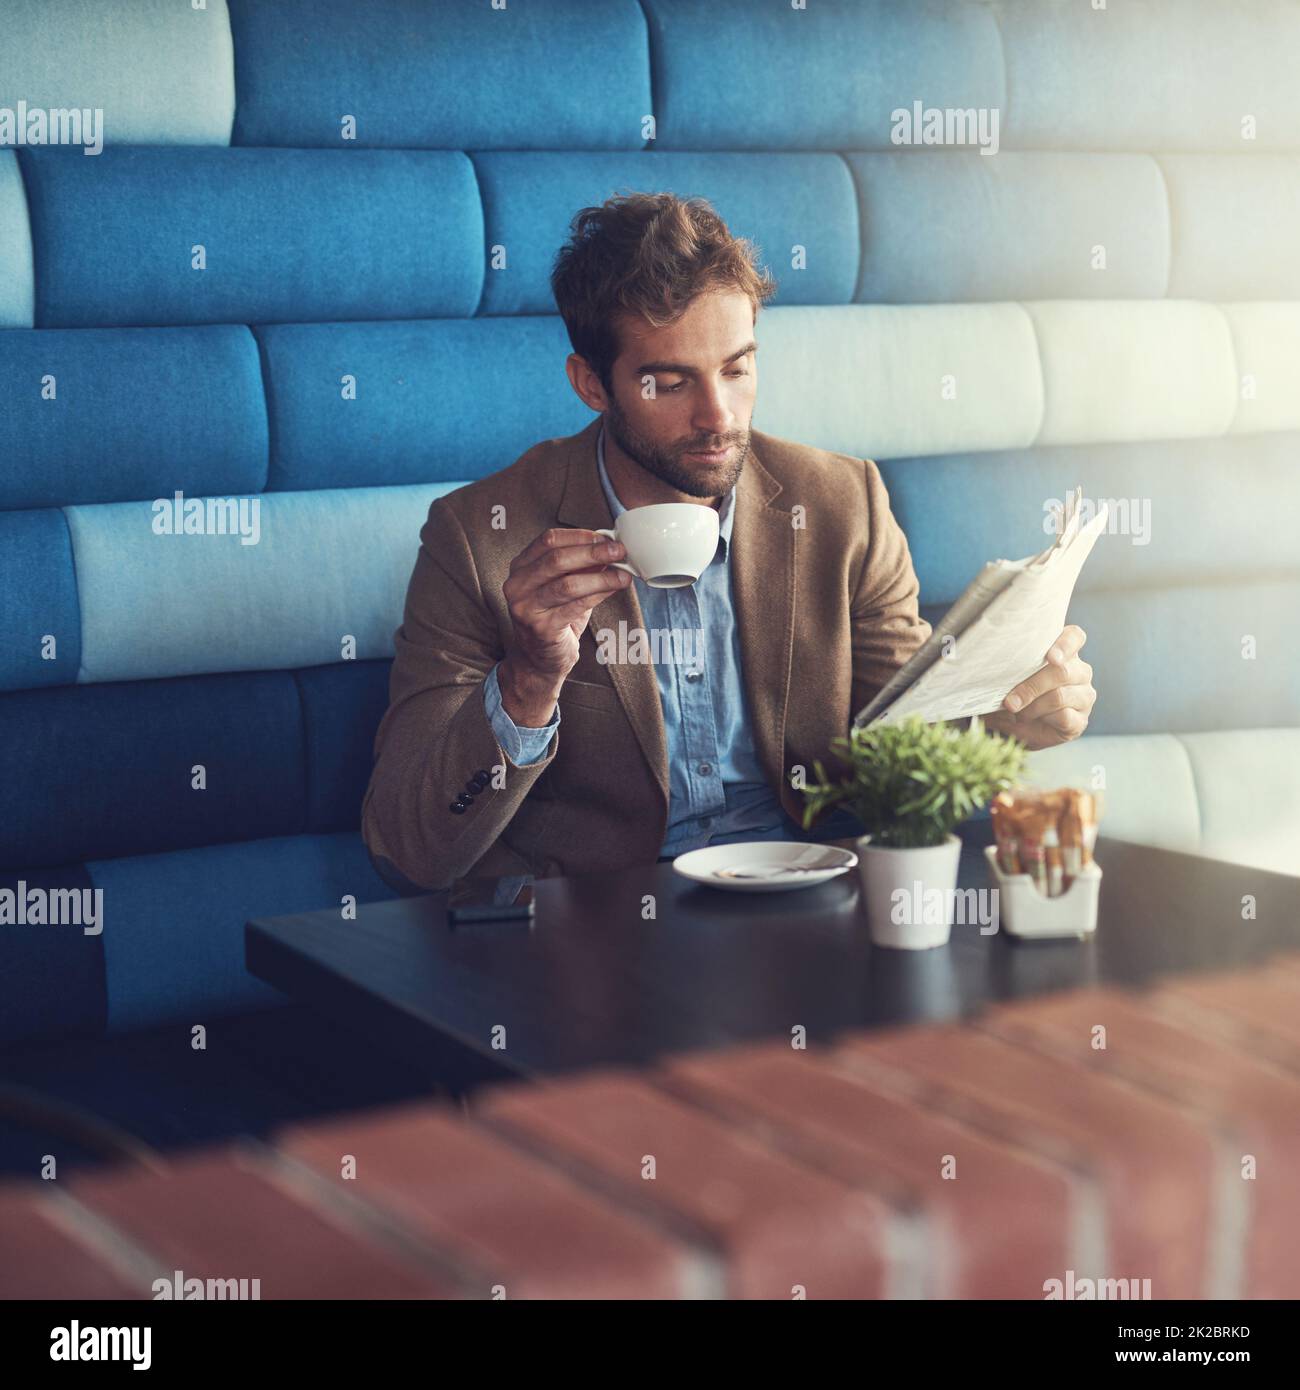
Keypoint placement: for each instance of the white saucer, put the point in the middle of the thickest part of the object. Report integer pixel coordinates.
(774, 857)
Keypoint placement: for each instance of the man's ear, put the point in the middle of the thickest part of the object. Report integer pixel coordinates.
(586, 384)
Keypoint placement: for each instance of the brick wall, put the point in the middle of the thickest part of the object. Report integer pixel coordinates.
(1151, 1136)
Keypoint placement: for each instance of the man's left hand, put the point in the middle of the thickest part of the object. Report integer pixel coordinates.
(1054, 704)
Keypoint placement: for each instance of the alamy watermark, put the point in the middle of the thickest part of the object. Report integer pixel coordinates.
(662, 646)
(179, 515)
(1125, 516)
(54, 125)
(945, 125)
(53, 907)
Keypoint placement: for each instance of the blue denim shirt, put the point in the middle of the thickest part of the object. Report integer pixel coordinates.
(717, 792)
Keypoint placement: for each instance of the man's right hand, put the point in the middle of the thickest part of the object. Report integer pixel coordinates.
(553, 585)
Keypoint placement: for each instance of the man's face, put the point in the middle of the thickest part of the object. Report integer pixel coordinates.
(692, 430)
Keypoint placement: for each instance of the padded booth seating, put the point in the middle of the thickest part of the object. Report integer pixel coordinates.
(306, 281)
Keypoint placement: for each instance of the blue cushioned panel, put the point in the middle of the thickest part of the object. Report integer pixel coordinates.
(566, 73)
(777, 201)
(411, 420)
(1170, 660)
(174, 923)
(327, 566)
(1161, 75)
(961, 510)
(955, 226)
(40, 622)
(289, 235)
(1236, 226)
(762, 75)
(137, 413)
(17, 291)
(52, 984)
(341, 709)
(107, 770)
(162, 71)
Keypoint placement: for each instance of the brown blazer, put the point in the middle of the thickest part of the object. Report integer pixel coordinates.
(826, 608)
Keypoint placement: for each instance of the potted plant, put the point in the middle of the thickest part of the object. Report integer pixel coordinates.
(910, 784)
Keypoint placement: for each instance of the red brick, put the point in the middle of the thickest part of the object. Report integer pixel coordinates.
(1150, 1164)
(777, 1223)
(1258, 1009)
(42, 1258)
(990, 1233)
(215, 1217)
(518, 1222)
(1251, 1104)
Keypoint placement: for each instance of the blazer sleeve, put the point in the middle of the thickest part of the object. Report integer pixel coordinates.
(436, 736)
(886, 621)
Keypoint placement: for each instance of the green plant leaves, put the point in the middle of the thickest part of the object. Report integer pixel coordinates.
(912, 783)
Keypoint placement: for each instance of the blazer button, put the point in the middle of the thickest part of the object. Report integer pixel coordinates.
(458, 808)
(482, 775)
(477, 784)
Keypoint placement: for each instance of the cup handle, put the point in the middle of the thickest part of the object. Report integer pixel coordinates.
(616, 564)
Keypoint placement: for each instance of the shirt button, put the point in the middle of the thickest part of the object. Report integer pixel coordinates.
(693, 675)
(705, 769)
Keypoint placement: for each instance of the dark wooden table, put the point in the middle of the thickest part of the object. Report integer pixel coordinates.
(591, 982)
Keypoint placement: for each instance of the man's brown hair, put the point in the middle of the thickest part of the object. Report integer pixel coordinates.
(646, 254)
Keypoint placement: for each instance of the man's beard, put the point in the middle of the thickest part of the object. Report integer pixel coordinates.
(669, 467)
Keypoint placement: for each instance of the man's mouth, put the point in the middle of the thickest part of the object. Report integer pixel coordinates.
(710, 455)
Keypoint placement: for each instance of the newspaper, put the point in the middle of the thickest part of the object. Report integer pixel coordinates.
(996, 635)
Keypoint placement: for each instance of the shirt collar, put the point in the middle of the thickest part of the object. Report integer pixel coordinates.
(726, 511)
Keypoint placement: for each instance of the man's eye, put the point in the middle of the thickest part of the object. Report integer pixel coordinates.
(670, 389)
(737, 373)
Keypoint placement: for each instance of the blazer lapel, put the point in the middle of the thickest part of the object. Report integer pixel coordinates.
(583, 504)
(763, 579)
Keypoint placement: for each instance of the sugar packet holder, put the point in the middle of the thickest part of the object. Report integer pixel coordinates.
(1024, 911)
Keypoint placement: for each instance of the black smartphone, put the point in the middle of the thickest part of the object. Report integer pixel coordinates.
(491, 900)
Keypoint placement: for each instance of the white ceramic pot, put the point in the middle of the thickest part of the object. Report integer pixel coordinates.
(908, 894)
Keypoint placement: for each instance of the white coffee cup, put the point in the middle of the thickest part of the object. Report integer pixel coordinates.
(669, 544)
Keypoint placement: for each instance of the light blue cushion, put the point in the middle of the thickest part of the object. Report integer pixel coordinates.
(956, 225)
(290, 235)
(1236, 225)
(567, 74)
(875, 379)
(161, 70)
(17, 289)
(137, 413)
(1162, 75)
(778, 201)
(963, 509)
(1171, 660)
(328, 565)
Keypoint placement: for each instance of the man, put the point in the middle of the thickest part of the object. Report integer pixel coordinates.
(517, 622)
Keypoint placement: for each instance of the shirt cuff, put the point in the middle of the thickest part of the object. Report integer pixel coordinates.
(521, 745)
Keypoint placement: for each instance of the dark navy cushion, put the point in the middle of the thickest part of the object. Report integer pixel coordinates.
(93, 771)
(341, 709)
(52, 984)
